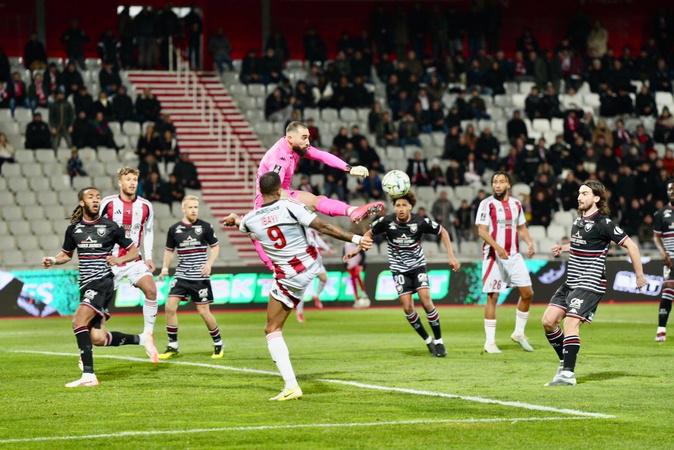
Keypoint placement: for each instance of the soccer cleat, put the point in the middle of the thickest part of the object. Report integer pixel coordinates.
(218, 352)
(364, 211)
(362, 303)
(300, 317)
(431, 348)
(317, 302)
(490, 347)
(287, 394)
(150, 348)
(80, 365)
(564, 378)
(169, 353)
(661, 336)
(87, 380)
(522, 340)
(440, 350)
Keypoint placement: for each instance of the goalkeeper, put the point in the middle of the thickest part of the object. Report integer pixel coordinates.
(284, 157)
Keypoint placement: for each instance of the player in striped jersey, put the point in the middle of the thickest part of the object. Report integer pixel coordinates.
(94, 239)
(500, 222)
(403, 231)
(577, 299)
(663, 235)
(280, 227)
(191, 239)
(134, 214)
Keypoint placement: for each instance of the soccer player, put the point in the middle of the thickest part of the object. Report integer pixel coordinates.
(191, 238)
(576, 300)
(355, 262)
(134, 214)
(403, 231)
(94, 238)
(500, 222)
(322, 247)
(663, 236)
(280, 226)
(283, 158)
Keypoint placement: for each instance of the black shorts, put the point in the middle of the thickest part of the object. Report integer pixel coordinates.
(412, 281)
(579, 303)
(97, 295)
(198, 291)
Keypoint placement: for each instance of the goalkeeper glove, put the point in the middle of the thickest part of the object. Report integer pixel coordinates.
(359, 171)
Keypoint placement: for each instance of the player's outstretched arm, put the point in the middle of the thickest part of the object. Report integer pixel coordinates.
(483, 232)
(447, 242)
(131, 254)
(231, 220)
(558, 249)
(368, 234)
(524, 232)
(635, 256)
(334, 161)
(60, 258)
(336, 232)
(168, 257)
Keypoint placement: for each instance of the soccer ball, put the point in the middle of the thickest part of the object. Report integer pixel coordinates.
(396, 183)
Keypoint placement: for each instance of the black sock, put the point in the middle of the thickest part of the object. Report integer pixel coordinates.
(556, 339)
(84, 344)
(434, 321)
(172, 334)
(215, 335)
(571, 349)
(115, 339)
(663, 312)
(415, 321)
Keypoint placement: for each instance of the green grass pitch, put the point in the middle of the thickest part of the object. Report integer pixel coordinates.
(625, 378)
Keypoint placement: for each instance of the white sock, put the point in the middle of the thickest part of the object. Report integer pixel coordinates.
(218, 343)
(662, 330)
(321, 285)
(438, 341)
(279, 353)
(490, 330)
(149, 315)
(520, 321)
(173, 345)
(428, 340)
(141, 339)
(300, 307)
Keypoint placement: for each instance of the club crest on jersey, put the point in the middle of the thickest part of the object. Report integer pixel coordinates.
(392, 226)
(413, 227)
(100, 231)
(197, 230)
(588, 226)
(668, 214)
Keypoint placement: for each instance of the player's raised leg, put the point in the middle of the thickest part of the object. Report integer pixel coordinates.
(332, 207)
(277, 313)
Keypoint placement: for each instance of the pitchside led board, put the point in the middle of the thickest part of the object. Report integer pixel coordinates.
(44, 293)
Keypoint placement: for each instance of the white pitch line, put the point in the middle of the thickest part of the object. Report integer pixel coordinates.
(375, 387)
(287, 427)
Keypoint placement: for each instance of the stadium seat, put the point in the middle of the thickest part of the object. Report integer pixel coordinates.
(104, 184)
(464, 193)
(107, 157)
(329, 115)
(525, 87)
(27, 242)
(537, 232)
(31, 170)
(541, 125)
(312, 113)
(26, 198)
(410, 150)
(425, 193)
(544, 246)
(24, 115)
(592, 100)
(63, 155)
(3, 229)
(12, 257)
(256, 90)
(348, 115)
(68, 198)
(81, 182)
(518, 100)
(11, 213)
(131, 128)
(17, 184)
(24, 156)
(438, 138)
(161, 210)
(55, 212)
(45, 156)
(48, 241)
(60, 183)
(470, 248)
(6, 198)
(520, 189)
(11, 170)
(115, 128)
(17, 227)
(556, 232)
(563, 218)
(35, 212)
(395, 153)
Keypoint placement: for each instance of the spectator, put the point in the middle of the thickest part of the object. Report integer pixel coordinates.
(194, 27)
(455, 148)
(568, 193)
(107, 47)
(148, 143)
(442, 210)
(473, 169)
(343, 94)
(417, 170)
(528, 162)
(532, 104)
(61, 118)
(549, 104)
(37, 133)
(144, 26)
(19, 91)
(167, 27)
(220, 48)
(125, 27)
(663, 127)
(146, 166)
(435, 118)
(314, 47)
(109, 79)
(147, 107)
(103, 136)
(464, 222)
(278, 42)
(314, 132)
(4, 66)
(367, 156)
(435, 174)
(163, 123)
(487, 149)
(6, 150)
(52, 79)
(408, 131)
(276, 108)
(360, 96)
(74, 39)
(175, 190)
(74, 166)
(478, 106)
(104, 105)
(7, 96)
(374, 117)
(34, 54)
(632, 218)
(306, 186)
(83, 132)
(122, 107)
(251, 69)
(37, 96)
(541, 209)
(386, 132)
(155, 190)
(371, 187)
(661, 79)
(272, 67)
(597, 41)
(168, 146)
(84, 102)
(335, 180)
(71, 79)
(516, 127)
(304, 96)
(186, 173)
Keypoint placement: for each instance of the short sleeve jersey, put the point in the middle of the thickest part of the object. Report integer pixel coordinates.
(191, 241)
(502, 218)
(663, 226)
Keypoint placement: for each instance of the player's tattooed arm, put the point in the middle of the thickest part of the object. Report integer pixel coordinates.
(331, 230)
(60, 258)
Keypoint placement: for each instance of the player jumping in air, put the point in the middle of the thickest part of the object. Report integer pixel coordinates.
(576, 300)
(94, 239)
(134, 214)
(284, 157)
(500, 221)
(280, 226)
(663, 235)
(191, 238)
(403, 231)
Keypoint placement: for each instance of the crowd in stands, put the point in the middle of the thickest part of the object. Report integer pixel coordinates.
(82, 122)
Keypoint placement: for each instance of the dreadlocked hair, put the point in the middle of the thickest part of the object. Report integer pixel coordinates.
(78, 212)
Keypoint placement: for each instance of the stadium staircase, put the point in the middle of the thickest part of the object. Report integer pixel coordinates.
(197, 102)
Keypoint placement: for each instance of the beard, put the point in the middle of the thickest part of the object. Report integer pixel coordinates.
(499, 196)
(91, 212)
(299, 150)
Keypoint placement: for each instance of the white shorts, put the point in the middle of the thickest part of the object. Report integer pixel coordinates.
(290, 291)
(500, 274)
(131, 272)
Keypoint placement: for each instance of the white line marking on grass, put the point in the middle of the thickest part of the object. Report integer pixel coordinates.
(375, 387)
(287, 427)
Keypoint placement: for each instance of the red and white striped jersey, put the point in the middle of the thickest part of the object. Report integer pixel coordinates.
(319, 242)
(135, 217)
(280, 228)
(503, 218)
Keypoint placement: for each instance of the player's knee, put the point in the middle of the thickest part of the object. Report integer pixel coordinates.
(549, 323)
(527, 295)
(151, 292)
(270, 328)
(98, 338)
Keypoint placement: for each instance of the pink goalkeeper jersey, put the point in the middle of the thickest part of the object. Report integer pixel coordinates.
(503, 218)
(280, 158)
